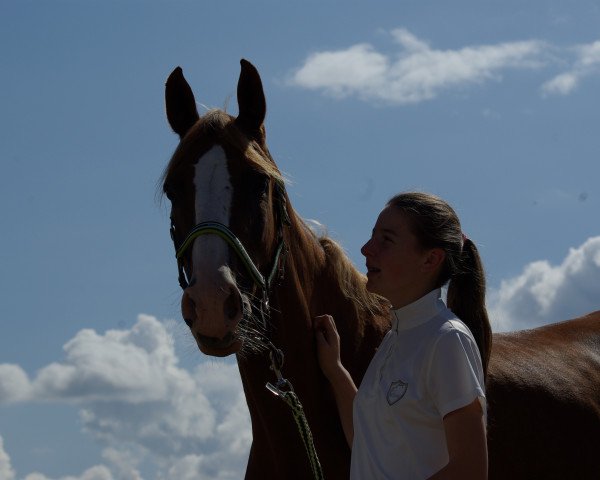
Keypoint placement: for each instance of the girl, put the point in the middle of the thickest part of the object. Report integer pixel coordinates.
(420, 410)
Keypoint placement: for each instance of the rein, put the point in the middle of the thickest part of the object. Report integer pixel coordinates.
(283, 389)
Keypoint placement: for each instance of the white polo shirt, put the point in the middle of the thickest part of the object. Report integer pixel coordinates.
(427, 365)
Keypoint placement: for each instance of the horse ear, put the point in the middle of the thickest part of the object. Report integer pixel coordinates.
(251, 99)
(180, 102)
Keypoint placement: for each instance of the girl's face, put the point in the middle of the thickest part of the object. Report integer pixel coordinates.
(396, 264)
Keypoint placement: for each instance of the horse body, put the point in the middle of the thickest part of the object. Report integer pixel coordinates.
(543, 392)
(543, 385)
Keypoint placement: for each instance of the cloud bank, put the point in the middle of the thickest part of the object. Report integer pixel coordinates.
(417, 72)
(141, 405)
(545, 293)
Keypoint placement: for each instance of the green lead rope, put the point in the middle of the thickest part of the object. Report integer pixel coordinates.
(293, 402)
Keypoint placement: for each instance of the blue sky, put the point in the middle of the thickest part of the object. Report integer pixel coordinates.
(492, 105)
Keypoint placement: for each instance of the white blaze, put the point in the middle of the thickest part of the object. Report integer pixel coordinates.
(213, 203)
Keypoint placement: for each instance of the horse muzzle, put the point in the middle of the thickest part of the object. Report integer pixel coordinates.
(213, 310)
(219, 347)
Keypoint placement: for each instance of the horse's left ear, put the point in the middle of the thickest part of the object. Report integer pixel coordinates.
(251, 99)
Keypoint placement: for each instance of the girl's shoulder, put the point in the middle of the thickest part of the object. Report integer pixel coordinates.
(449, 329)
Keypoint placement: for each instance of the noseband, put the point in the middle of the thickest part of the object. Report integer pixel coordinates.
(221, 230)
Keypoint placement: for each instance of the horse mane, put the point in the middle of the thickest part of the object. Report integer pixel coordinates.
(352, 283)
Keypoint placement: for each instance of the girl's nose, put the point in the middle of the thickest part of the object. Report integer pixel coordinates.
(366, 249)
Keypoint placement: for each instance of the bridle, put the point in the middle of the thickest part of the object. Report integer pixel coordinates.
(263, 282)
(223, 231)
(217, 228)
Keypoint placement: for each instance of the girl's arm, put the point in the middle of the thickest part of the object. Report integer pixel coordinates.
(344, 389)
(467, 445)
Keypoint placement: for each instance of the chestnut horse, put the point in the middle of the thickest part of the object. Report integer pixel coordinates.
(543, 391)
(254, 276)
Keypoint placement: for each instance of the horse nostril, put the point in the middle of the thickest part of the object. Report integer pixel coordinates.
(188, 309)
(232, 304)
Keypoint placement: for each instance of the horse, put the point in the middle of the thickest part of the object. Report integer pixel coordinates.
(222, 176)
(254, 275)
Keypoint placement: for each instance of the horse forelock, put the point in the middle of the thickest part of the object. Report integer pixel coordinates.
(218, 127)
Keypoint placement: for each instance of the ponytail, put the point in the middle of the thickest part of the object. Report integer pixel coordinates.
(466, 299)
(436, 225)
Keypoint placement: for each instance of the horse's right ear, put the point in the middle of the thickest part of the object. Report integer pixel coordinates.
(251, 99)
(180, 102)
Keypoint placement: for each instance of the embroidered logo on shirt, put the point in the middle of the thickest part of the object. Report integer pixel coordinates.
(396, 391)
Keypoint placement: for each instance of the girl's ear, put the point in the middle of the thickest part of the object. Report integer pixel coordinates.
(434, 259)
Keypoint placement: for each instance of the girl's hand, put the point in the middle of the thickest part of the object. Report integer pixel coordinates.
(328, 353)
(328, 345)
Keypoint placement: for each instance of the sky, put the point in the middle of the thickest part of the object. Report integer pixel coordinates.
(491, 105)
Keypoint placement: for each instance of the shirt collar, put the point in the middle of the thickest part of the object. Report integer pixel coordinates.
(418, 312)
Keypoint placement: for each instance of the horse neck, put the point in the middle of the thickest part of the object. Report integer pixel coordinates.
(320, 279)
(310, 287)
(305, 261)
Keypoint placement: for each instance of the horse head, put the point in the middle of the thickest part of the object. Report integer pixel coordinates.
(228, 211)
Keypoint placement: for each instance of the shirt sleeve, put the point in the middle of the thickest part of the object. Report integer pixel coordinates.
(455, 376)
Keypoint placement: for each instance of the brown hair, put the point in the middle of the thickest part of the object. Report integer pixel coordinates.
(436, 225)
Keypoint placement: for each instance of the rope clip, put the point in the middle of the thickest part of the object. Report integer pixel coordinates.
(281, 389)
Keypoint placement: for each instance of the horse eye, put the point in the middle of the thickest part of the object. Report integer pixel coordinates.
(263, 185)
(170, 192)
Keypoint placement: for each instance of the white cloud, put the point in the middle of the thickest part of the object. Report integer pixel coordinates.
(563, 84)
(544, 293)
(137, 365)
(6, 470)
(340, 73)
(194, 467)
(586, 63)
(415, 73)
(123, 462)
(589, 55)
(99, 472)
(141, 405)
(14, 384)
